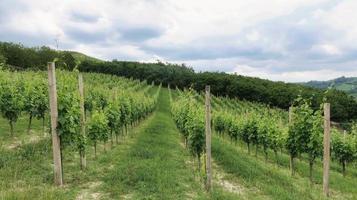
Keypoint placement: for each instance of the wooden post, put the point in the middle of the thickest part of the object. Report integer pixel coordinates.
(208, 140)
(82, 154)
(292, 171)
(326, 158)
(56, 147)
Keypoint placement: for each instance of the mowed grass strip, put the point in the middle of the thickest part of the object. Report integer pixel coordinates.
(154, 166)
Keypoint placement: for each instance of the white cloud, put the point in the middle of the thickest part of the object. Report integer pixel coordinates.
(253, 36)
(328, 49)
(272, 39)
(293, 76)
(122, 52)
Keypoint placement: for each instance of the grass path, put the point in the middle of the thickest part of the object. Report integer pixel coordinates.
(156, 166)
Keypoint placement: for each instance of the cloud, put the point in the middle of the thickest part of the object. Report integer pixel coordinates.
(139, 34)
(270, 39)
(83, 17)
(84, 36)
(292, 76)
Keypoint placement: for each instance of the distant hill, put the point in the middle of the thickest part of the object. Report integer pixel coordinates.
(82, 57)
(346, 84)
(18, 56)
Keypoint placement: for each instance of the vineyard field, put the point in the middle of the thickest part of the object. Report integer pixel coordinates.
(252, 143)
(148, 142)
(178, 100)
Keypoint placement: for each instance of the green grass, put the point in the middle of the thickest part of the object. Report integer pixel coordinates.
(82, 57)
(156, 166)
(21, 136)
(274, 180)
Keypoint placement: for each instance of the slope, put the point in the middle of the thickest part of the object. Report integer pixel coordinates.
(346, 84)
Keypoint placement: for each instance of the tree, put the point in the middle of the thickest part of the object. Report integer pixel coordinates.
(36, 101)
(189, 118)
(113, 115)
(196, 132)
(305, 132)
(98, 129)
(219, 123)
(69, 115)
(253, 89)
(68, 61)
(298, 130)
(2, 61)
(234, 128)
(314, 141)
(11, 102)
(126, 112)
(343, 148)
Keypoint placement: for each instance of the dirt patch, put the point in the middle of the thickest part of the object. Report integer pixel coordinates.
(219, 178)
(19, 142)
(88, 191)
(127, 196)
(182, 144)
(191, 195)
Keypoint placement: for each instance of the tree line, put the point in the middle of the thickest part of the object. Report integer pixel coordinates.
(278, 94)
(17, 56)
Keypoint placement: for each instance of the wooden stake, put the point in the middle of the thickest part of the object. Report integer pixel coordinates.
(292, 171)
(54, 117)
(208, 140)
(326, 158)
(82, 154)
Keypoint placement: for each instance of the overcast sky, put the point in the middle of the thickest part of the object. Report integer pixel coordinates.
(287, 40)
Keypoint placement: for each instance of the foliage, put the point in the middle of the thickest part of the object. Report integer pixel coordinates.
(69, 113)
(343, 148)
(189, 118)
(98, 129)
(252, 89)
(28, 92)
(113, 115)
(11, 101)
(36, 99)
(277, 94)
(20, 57)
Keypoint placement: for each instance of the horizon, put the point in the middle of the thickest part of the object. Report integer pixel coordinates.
(296, 42)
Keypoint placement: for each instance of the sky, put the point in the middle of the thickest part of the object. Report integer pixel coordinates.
(280, 40)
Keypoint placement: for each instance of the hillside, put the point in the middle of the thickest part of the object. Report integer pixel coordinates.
(80, 57)
(21, 57)
(276, 94)
(346, 84)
